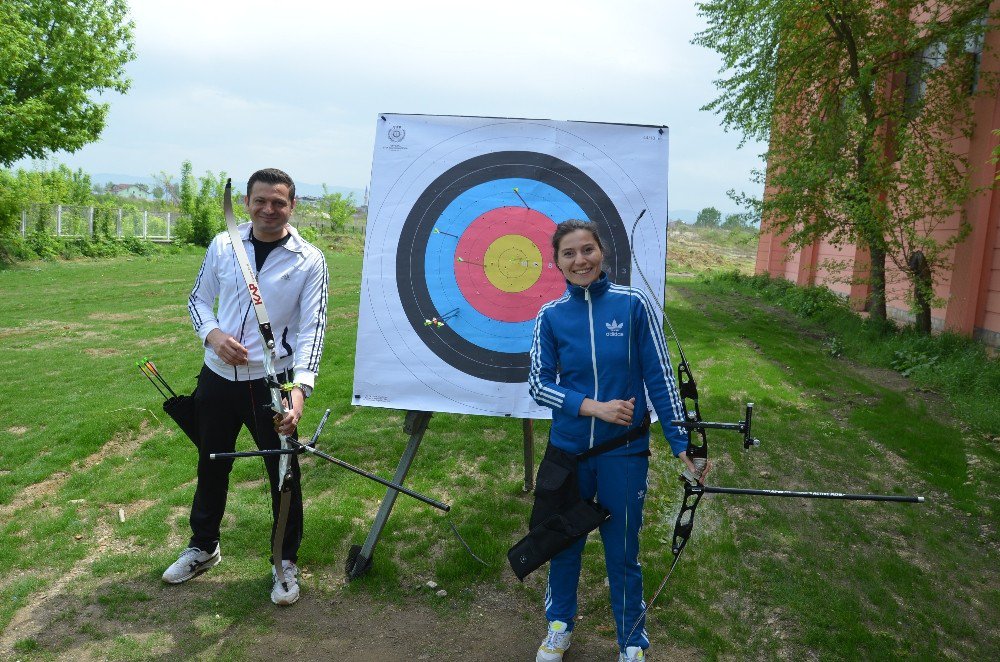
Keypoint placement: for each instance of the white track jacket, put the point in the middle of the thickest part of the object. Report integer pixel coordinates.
(293, 283)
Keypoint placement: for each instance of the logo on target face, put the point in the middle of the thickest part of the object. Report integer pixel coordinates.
(396, 133)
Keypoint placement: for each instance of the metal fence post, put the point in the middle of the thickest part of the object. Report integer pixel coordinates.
(119, 224)
(58, 220)
(168, 226)
(145, 223)
(24, 222)
(90, 219)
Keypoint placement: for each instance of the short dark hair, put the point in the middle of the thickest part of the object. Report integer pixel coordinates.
(572, 225)
(272, 176)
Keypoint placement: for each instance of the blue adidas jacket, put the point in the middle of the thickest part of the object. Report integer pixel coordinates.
(603, 342)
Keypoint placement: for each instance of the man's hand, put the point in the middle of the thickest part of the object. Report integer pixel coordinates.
(618, 412)
(226, 347)
(286, 424)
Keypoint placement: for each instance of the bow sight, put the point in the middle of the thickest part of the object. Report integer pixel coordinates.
(743, 426)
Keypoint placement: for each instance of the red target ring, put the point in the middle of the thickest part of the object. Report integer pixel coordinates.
(503, 264)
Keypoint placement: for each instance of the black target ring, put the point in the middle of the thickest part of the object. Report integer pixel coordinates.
(411, 280)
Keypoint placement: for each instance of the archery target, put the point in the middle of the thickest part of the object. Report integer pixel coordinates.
(458, 256)
(475, 252)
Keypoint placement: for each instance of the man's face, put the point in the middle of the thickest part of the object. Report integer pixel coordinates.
(270, 209)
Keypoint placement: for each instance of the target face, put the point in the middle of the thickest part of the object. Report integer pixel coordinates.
(458, 252)
(476, 253)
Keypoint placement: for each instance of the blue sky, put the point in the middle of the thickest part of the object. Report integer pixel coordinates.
(235, 86)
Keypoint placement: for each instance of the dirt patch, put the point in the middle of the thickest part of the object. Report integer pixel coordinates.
(29, 620)
(112, 317)
(331, 622)
(346, 417)
(101, 352)
(119, 445)
(17, 429)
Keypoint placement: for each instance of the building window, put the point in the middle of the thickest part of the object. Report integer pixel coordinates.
(931, 57)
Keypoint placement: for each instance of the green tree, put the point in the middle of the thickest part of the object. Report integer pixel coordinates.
(54, 56)
(165, 186)
(338, 207)
(709, 217)
(187, 188)
(853, 155)
(201, 206)
(737, 222)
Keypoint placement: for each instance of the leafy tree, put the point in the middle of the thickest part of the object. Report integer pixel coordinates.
(737, 222)
(165, 186)
(54, 56)
(201, 204)
(338, 207)
(861, 106)
(709, 217)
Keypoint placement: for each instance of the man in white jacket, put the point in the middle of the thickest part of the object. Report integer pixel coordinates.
(231, 391)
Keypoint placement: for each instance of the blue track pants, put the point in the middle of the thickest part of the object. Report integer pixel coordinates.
(619, 482)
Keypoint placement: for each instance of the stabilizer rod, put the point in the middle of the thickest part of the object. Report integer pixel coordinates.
(299, 447)
(807, 495)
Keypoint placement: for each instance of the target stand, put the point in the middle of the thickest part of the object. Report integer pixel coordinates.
(359, 557)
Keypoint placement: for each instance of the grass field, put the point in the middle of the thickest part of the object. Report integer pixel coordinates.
(95, 485)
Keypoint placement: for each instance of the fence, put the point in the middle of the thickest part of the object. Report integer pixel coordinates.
(82, 221)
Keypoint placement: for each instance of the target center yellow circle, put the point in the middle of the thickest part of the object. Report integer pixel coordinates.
(513, 263)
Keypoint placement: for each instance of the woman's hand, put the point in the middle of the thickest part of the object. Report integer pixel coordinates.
(695, 468)
(618, 412)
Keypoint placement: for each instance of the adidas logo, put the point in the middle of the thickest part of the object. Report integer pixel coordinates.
(614, 328)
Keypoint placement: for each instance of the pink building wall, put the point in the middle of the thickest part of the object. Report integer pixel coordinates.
(970, 288)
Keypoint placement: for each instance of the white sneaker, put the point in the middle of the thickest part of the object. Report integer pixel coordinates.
(286, 589)
(191, 563)
(556, 643)
(632, 654)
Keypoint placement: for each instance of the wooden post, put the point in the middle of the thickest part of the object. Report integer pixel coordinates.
(527, 427)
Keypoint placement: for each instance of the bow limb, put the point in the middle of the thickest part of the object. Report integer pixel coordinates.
(285, 476)
(697, 446)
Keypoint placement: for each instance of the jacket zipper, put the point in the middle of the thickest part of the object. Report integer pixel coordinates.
(593, 355)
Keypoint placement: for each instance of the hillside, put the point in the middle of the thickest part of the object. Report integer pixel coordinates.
(692, 250)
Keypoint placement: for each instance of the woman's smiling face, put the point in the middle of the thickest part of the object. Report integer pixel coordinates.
(579, 257)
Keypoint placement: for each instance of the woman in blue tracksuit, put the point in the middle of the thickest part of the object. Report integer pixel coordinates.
(593, 352)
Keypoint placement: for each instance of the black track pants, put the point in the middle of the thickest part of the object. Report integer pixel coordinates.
(224, 406)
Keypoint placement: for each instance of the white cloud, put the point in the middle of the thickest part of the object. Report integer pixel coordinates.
(237, 85)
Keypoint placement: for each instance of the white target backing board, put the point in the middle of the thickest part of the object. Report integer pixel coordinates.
(458, 258)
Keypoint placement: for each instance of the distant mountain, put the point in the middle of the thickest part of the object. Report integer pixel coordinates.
(301, 188)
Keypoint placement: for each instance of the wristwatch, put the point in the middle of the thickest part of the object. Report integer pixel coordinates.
(306, 390)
